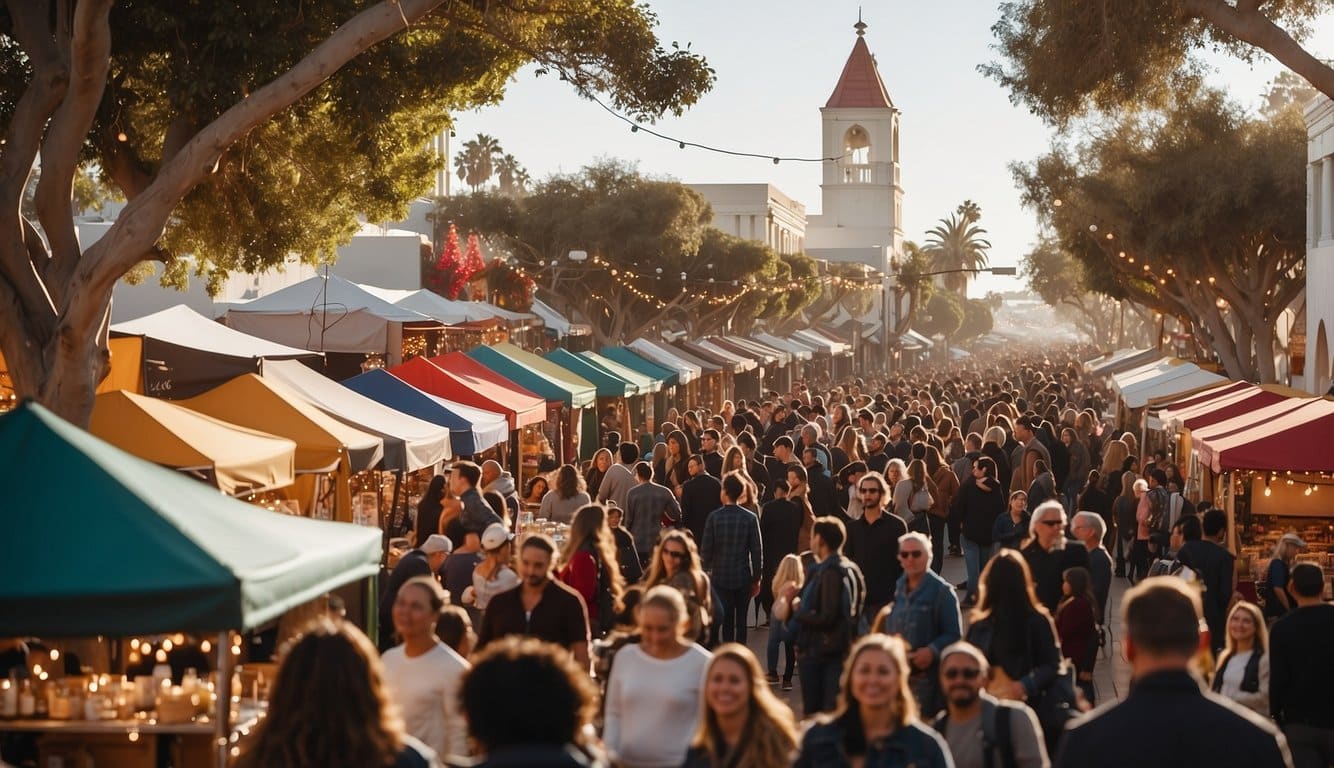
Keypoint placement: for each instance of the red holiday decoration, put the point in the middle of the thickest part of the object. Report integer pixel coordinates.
(446, 279)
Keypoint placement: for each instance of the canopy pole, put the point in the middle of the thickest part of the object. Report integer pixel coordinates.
(222, 702)
(372, 606)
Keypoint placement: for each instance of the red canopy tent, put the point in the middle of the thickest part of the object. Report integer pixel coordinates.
(1283, 439)
(1227, 408)
(1192, 399)
(457, 377)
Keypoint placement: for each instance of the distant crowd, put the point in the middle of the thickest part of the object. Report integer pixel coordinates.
(824, 516)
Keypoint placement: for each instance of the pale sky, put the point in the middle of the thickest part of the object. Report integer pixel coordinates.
(777, 62)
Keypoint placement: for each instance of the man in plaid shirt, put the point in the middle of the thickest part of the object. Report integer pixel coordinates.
(732, 555)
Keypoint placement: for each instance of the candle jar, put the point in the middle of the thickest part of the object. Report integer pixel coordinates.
(9, 699)
(59, 703)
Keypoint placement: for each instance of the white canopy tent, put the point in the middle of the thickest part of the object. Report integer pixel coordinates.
(328, 314)
(187, 328)
(687, 371)
(409, 443)
(1163, 378)
(798, 351)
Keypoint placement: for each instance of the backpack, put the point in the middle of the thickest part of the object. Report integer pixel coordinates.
(996, 736)
(1159, 505)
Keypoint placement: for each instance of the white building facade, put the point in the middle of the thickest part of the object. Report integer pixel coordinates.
(758, 212)
(1317, 373)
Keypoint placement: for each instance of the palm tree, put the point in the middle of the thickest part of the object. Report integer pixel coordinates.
(512, 176)
(475, 165)
(913, 283)
(958, 243)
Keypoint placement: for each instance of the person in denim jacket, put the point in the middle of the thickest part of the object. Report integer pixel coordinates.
(876, 722)
(925, 613)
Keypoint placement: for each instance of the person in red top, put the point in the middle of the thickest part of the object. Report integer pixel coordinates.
(589, 566)
(1077, 628)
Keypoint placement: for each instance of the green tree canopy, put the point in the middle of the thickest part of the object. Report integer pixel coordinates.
(245, 131)
(653, 257)
(1064, 58)
(957, 243)
(977, 319)
(1196, 212)
(943, 316)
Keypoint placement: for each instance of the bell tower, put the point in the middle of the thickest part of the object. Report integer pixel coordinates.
(862, 200)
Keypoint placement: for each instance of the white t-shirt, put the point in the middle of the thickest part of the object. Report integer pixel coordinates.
(652, 707)
(426, 689)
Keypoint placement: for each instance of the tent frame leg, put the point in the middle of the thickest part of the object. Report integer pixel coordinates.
(222, 704)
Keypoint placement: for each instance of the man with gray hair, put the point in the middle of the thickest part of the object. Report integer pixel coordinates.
(1089, 528)
(925, 613)
(1047, 553)
(980, 729)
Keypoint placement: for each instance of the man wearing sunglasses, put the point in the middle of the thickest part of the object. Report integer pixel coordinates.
(873, 542)
(980, 729)
(925, 613)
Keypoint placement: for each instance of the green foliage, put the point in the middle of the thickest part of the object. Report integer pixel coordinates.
(957, 243)
(1065, 58)
(355, 146)
(641, 234)
(943, 315)
(977, 319)
(1053, 273)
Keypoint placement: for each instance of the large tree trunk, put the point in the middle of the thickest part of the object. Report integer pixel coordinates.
(55, 301)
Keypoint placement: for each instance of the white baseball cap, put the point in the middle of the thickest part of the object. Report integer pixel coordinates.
(436, 543)
(495, 536)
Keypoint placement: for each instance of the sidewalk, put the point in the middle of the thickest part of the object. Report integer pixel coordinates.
(1111, 676)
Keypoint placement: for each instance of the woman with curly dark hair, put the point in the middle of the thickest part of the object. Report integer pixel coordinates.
(329, 709)
(590, 566)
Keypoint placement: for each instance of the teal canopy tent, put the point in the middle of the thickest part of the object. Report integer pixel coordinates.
(98, 542)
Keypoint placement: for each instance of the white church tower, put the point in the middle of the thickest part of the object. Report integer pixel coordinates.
(862, 200)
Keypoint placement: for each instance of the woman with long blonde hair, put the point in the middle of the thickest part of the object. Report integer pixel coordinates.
(734, 463)
(742, 724)
(1242, 673)
(589, 565)
(876, 721)
(787, 583)
(329, 707)
(850, 441)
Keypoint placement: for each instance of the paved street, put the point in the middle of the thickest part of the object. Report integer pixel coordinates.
(1111, 675)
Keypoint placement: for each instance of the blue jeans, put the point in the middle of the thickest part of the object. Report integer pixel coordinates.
(735, 602)
(777, 634)
(972, 562)
(819, 683)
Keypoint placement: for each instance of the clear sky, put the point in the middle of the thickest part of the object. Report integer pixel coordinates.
(777, 62)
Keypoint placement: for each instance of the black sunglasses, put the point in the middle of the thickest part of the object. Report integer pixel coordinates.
(967, 673)
(875, 491)
(675, 554)
(1053, 523)
(909, 554)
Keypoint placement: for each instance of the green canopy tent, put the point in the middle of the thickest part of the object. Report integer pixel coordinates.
(613, 392)
(551, 382)
(142, 549)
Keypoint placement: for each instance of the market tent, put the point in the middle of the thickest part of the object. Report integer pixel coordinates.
(607, 384)
(798, 351)
(710, 350)
(761, 353)
(433, 305)
(1166, 377)
(918, 340)
(471, 430)
(821, 341)
(1121, 360)
(329, 314)
(669, 376)
(557, 323)
(686, 371)
(322, 442)
(1295, 440)
(409, 443)
(186, 353)
(1210, 406)
(646, 380)
(537, 374)
(148, 550)
(234, 459)
(459, 378)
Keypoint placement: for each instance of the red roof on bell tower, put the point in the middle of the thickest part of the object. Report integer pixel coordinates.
(860, 84)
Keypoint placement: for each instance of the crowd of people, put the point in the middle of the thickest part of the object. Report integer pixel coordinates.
(825, 515)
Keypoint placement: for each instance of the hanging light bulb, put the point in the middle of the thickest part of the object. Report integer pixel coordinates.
(1267, 486)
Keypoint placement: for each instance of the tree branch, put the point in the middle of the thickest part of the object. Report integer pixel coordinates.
(1246, 23)
(142, 222)
(90, 59)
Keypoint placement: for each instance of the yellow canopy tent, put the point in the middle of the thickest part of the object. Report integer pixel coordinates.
(323, 444)
(235, 459)
(127, 363)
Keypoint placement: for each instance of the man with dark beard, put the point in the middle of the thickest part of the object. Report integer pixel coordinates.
(974, 722)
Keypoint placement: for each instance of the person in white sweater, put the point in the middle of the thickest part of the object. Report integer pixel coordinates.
(653, 694)
(1242, 673)
(423, 673)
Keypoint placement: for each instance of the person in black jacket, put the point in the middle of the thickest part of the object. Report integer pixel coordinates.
(1167, 720)
(700, 495)
(822, 622)
(979, 502)
(780, 528)
(873, 542)
(1047, 553)
(823, 497)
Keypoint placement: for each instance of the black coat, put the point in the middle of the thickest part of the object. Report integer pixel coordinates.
(1168, 721)
(700, 495)
(976, 510)
(823, 497)
(1049, 569)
